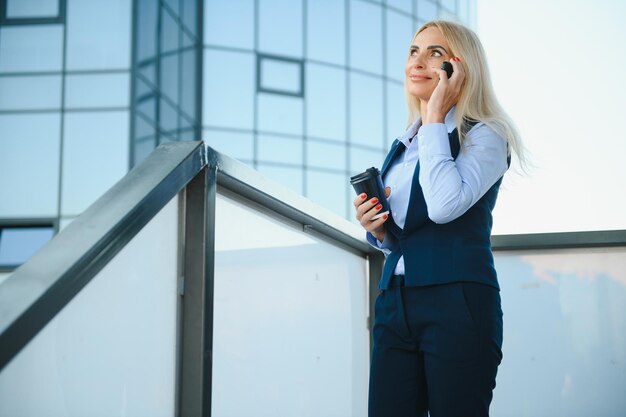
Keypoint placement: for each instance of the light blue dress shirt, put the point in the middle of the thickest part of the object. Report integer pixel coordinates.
(450, 186)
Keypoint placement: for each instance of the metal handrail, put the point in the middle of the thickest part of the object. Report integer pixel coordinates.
(40, 288)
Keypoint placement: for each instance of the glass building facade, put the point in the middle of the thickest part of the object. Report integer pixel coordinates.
(308, 92)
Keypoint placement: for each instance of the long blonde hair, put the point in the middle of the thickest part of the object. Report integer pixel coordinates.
(478, 100)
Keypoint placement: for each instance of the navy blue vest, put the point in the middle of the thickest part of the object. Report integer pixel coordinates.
(442, 253)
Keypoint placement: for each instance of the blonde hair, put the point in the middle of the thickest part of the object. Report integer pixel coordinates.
(478, 100)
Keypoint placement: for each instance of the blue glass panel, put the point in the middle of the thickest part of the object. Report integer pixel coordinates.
(31, 48)
(326, 155)
(169, 77)
(36, 92)
(326, 102)
(17, 244)
(190, 14)
(188, 84)
(280, 27)
(143, 128)
(366, 105)
(426, 10)
(396, 112)
(399, 36)
(404, 5)
(32, 8)
(328, 190)
(91, 137)
(168, 117)
(282, 114)
(105, 90)
(279, 149)
(233, 144)
(449, 4)
(326, 31)
(98, 34)
(281, 75)
(289, 177)
(147, 12)
(229, 88)
(229, 23)
(169, 32)
(172, 5)
(29, 151)
(142, 148)
(361, 159)
(366, 49)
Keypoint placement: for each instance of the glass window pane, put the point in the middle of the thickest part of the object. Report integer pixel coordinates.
(326, 31)
(168, 117)
(24, 93)
(142, 148)
(280, 75)
(105, 90)
(29, 151)
(405, 5)
(31, 48)
(361, 159)
(143, 128)
(169, 77)
(449, 4)
(17, 244)
(280, 27)
(147, 13)
(190, 14)
(289, 177)
(326, 102)
(399, 35)
(229, 23)
(88, 137)
(366, 49)
(328, 190)
(32, 8)
(236, 145)
(280, 149)
(98, 34)
(189, 85)
(326, 155)
(426, 10)
(281, 114)
(366, 101)
(169, 32)
(396, 112)
(229, 86)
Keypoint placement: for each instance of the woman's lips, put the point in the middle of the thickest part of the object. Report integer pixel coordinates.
(419, 78)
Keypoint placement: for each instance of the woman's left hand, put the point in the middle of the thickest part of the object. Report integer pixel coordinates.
(446, 94)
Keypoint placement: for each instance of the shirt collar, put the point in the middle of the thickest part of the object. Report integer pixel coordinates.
(412, 130)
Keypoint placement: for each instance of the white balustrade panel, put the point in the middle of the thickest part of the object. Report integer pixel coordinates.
(564, 333)
(112, 350)
(290, 333)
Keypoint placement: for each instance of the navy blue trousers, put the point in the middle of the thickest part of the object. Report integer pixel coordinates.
(436, 350)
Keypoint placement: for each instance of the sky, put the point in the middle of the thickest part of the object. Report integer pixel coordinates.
(557, 69)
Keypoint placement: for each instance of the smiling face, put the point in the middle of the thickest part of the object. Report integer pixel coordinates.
(429, 49)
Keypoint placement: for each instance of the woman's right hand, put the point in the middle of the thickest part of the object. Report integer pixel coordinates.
(368, 208)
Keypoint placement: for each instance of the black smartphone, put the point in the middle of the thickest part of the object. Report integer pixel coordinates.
(447, 67)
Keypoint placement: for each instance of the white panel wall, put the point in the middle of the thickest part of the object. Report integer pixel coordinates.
(112, 350)
(290, 336)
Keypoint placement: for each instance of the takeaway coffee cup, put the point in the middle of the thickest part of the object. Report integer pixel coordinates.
(370, 183)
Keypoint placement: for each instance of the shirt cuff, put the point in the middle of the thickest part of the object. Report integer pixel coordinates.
(433, 140)
(385, 246)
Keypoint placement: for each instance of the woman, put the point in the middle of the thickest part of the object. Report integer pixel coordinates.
(438, 322)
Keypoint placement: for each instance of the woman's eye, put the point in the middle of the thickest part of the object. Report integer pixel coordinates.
(437, 54)
(413, 52)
